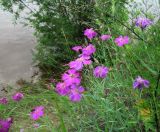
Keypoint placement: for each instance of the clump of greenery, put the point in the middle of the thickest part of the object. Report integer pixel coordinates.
(58, 26)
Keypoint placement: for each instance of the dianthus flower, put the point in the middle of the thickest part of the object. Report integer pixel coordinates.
(90, 33)
(17, 96)
(71, 77)
(122, 40)
(5, 125)
(140, 83)
(89, 50)
(37, 112)
(143, 22)
(3, 100)
(105, 37)
(76, 93)
(100, 71)
(62, 88)
(77, 48)
(80, 62)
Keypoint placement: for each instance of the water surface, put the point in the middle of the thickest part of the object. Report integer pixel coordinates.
(16, 43)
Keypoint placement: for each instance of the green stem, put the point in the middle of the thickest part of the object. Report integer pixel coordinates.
(155, 104)
(61, 118)
(110, 56)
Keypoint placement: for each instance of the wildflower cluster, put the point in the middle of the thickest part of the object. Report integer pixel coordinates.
(71, 80)
(70, 84)
(36, 113)
(6, 124)
(16, 97)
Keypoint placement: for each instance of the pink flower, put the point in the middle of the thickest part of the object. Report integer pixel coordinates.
(80, 62)
(17, 96)
(143, 22)
(105, 37)
(100, 71)
(122, 40)
(89, 50)
(3, 100)
(71, 77)
(90, 33)
(140, 83)
(76, 94)
(77, 48)
(62, 88)
(81, 89)
(37, 112)
(5, 124)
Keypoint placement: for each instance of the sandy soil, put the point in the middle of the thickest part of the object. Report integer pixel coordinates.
(16, 43)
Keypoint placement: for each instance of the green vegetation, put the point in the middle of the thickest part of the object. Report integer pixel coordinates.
(108, 104)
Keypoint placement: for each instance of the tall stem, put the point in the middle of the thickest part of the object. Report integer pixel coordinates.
(61, 118)
(155, 104)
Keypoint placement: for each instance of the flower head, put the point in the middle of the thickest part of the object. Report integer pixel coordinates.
(77, 48)
(71, 77)
(17, 96)
(140, 83)
(80, 62)
(105, 37)
(81, 89)
(3, 100)
(37, 112)
(76, 94)
(143, 22)
(89, 50)
(5, 125)
(122, 40)
(100, 71)
(62, 88)
(90, 33)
